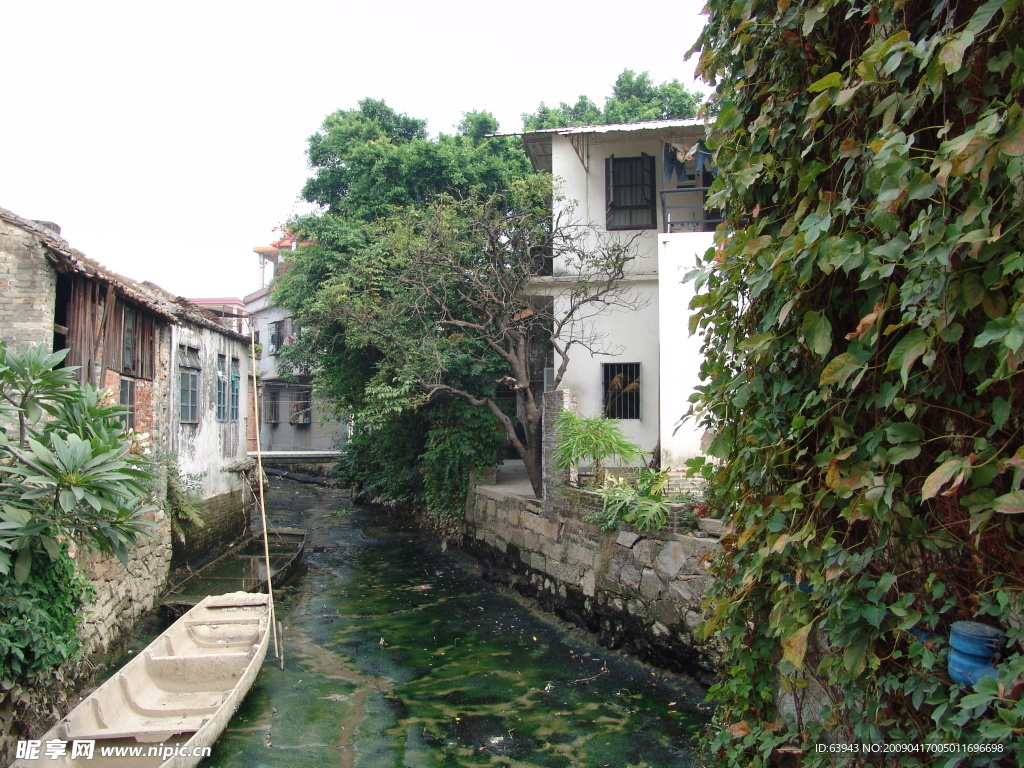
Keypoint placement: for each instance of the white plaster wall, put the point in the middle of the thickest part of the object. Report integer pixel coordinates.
(326, 432)
(628, 337)
(210, 446)
(655, 335)
(587, 190)
(680, 352)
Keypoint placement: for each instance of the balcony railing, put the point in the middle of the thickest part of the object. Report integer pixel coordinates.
(682, 210)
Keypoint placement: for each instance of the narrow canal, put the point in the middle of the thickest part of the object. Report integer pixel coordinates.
(398, 655)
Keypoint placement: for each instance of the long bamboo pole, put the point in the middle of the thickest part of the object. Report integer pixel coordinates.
(259, 481)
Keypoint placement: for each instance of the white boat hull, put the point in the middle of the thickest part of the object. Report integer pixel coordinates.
(173, 699)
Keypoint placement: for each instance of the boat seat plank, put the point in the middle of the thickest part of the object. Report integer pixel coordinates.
(250, 621)
(147, 732)
(173, 704)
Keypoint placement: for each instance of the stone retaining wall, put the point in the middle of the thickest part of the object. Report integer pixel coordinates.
(639, 592)
(124, 594)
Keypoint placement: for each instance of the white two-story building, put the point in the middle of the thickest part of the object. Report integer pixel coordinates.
(644, 182)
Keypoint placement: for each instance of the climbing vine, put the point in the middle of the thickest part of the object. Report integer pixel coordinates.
(863, 317)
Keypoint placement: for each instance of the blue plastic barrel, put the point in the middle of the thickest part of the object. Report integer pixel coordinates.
(973, 651)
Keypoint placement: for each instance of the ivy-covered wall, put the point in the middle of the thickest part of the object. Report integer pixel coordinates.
(863, 312)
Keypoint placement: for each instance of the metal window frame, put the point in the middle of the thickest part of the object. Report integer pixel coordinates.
(222, 388)
(189, 370)
(236, 384)
(645, 169)
(627, 405)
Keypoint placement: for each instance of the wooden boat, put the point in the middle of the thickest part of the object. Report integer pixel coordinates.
(242, 568)
(175, 698)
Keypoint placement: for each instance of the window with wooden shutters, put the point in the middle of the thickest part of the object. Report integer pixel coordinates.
(631, 192)
(128, 338)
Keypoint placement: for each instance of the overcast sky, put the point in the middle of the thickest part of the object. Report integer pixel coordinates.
(168, 139)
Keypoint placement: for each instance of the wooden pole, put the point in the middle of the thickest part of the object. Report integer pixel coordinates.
(259, 480)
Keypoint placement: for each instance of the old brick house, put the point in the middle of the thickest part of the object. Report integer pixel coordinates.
(180, 372)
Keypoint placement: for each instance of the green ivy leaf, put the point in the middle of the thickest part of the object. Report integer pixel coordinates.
(817, 331)
(832, 80)
(907, 351)
(903, 432)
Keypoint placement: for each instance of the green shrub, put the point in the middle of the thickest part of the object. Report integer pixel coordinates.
(637, 503)
(595, 440)
(39, 617)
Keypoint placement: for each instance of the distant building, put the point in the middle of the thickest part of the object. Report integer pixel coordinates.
(292, 418)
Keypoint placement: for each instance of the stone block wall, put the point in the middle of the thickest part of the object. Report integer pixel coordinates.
(124, 594)
(639, 592)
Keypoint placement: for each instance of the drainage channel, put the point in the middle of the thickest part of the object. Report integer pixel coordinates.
(398, 655)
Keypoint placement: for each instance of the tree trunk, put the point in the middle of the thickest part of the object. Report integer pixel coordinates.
(532, 453)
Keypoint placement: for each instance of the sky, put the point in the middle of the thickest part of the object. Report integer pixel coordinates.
(168, 139)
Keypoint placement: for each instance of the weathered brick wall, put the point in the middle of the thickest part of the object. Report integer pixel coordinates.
(27, 289)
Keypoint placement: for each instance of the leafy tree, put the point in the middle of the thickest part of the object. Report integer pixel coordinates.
(634, 98)
(863, 338)
(371, 161)
(440, 303)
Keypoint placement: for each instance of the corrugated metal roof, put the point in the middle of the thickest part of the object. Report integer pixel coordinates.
(648, 125)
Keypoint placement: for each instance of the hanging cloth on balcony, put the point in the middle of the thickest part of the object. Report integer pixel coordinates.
(704, 159)
(674, 162)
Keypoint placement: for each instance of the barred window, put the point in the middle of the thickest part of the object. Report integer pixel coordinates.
(302, 408)
(621, 390)
(630, 187)
(272, 406)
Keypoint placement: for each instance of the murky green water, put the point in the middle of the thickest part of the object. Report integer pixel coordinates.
(399, 656)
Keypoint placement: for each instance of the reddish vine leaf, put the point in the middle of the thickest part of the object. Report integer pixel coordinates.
(946, 471)
(1010, 503)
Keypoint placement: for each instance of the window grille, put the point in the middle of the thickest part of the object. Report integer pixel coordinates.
(302, 408)
(631, 197)
(272, 406)
(621, 390)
